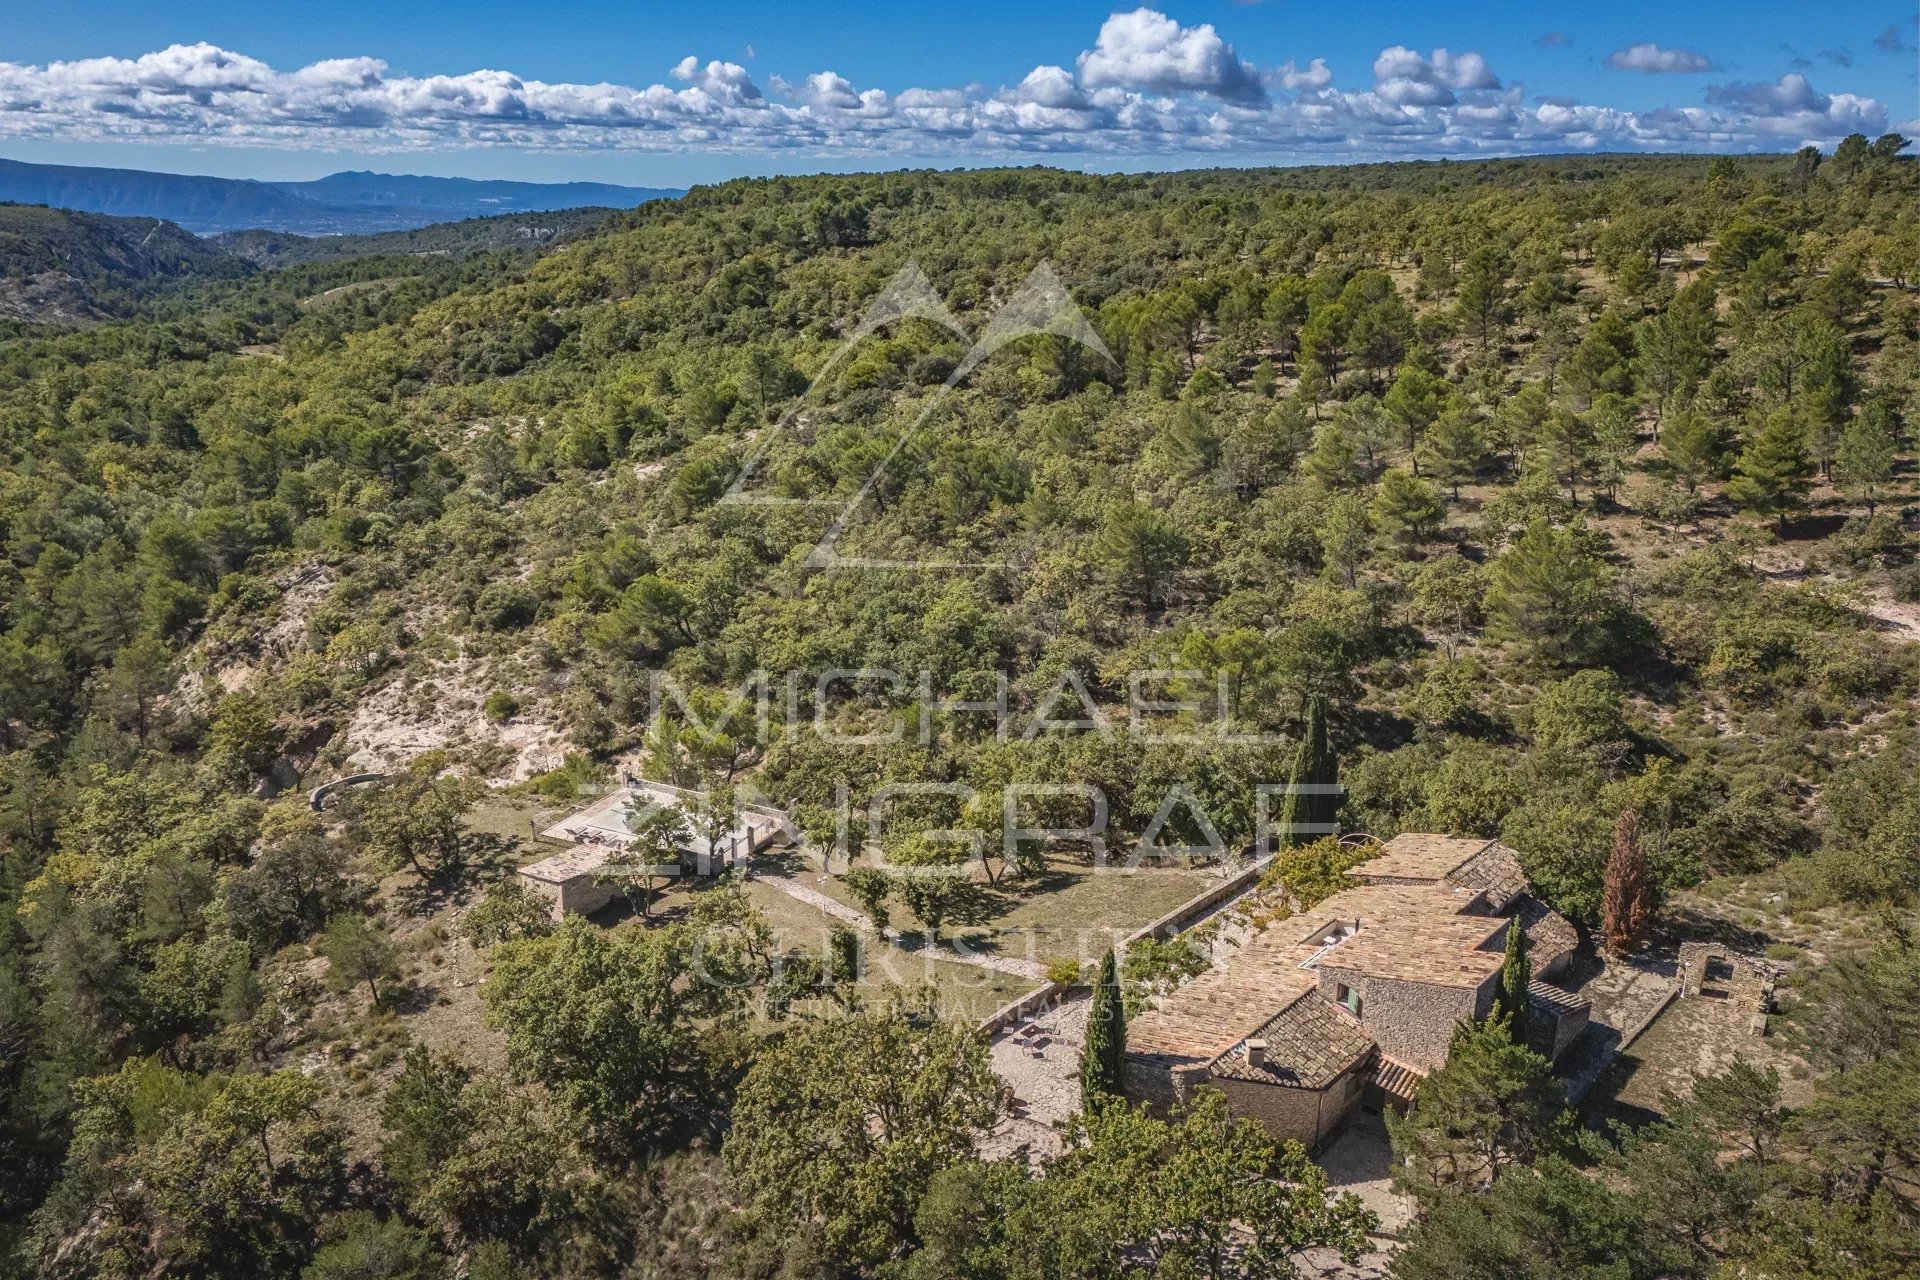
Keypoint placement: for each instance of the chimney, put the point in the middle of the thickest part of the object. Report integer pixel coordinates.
(1256, 1054)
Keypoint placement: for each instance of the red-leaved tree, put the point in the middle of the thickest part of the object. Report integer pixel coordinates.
(1626, 903)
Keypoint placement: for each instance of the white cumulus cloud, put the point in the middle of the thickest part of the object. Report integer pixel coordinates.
(1790, 93)
(1149, 51)
(1407, 79)
(1051, 87)
(724, 81)
(1315, 75)
(1650, 59)
(1148, 86)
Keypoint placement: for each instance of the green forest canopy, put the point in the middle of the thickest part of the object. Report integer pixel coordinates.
(1497, 463)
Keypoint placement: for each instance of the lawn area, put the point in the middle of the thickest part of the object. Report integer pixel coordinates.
(960, 990)
(513, 818)
(1066, 909)
(1069, 898)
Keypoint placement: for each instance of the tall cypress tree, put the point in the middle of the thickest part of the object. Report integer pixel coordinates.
(1516, 974)
(1105, 1047)
(1308, 817)
(1626, 891)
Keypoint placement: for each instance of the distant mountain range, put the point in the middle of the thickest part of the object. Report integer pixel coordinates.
(65, 267)
(342, 204)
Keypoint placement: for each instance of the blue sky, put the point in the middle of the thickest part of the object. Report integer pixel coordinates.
(672, 94)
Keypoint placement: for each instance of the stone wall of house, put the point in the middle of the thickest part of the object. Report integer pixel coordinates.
(548, 890)
(1309, 1115)
(1561, 1028)
(1161, 1087)
(577, 896)
(1148, 1082)
(1412, 1022)
(582, 896)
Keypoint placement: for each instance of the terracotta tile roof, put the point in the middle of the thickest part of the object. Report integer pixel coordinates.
(1217, 1010)
(1396, 1079)
(1213, 1014)
(1442, 953)
(1417, 855)
(1412, 932)
(1310, 1044)
(1550, 935)
(1384, 906)
(1494, 871)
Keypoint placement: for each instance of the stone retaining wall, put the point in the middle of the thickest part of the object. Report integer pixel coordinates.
(318, 797)
(1184, 915)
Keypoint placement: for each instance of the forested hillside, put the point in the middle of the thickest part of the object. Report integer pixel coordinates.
(1565, 487)
(61, 267)
(67, 269)
(449, 239)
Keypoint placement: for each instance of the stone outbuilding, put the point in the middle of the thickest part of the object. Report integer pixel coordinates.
(574, 879)
(1717, 972)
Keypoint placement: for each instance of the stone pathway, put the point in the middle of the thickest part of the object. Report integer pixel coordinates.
(955, 951)
(814, 898)
(1325, 1264)
(1360, 1160)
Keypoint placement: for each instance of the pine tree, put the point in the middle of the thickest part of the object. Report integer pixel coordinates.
(1863, 459)
(1142, 548)
(1455, 448)
(1673, 350)
(1626, 903)
(1332, 462)
(1492, 1106)
(1416, 399)
(1551, 593)
(1346, 536)
(427, 1115)
(1105, 1048)
(1312, 802)
(357, 952)
(1691, 446)
(1601, 363)
(1371, 429)
(1408, 506)
(1517, 420)
(1613, 428)
(1483, 293)
(1564, 442)
(1516, 974)
(1774, 469)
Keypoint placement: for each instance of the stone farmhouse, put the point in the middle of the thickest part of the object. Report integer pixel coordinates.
(1355, 1001)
